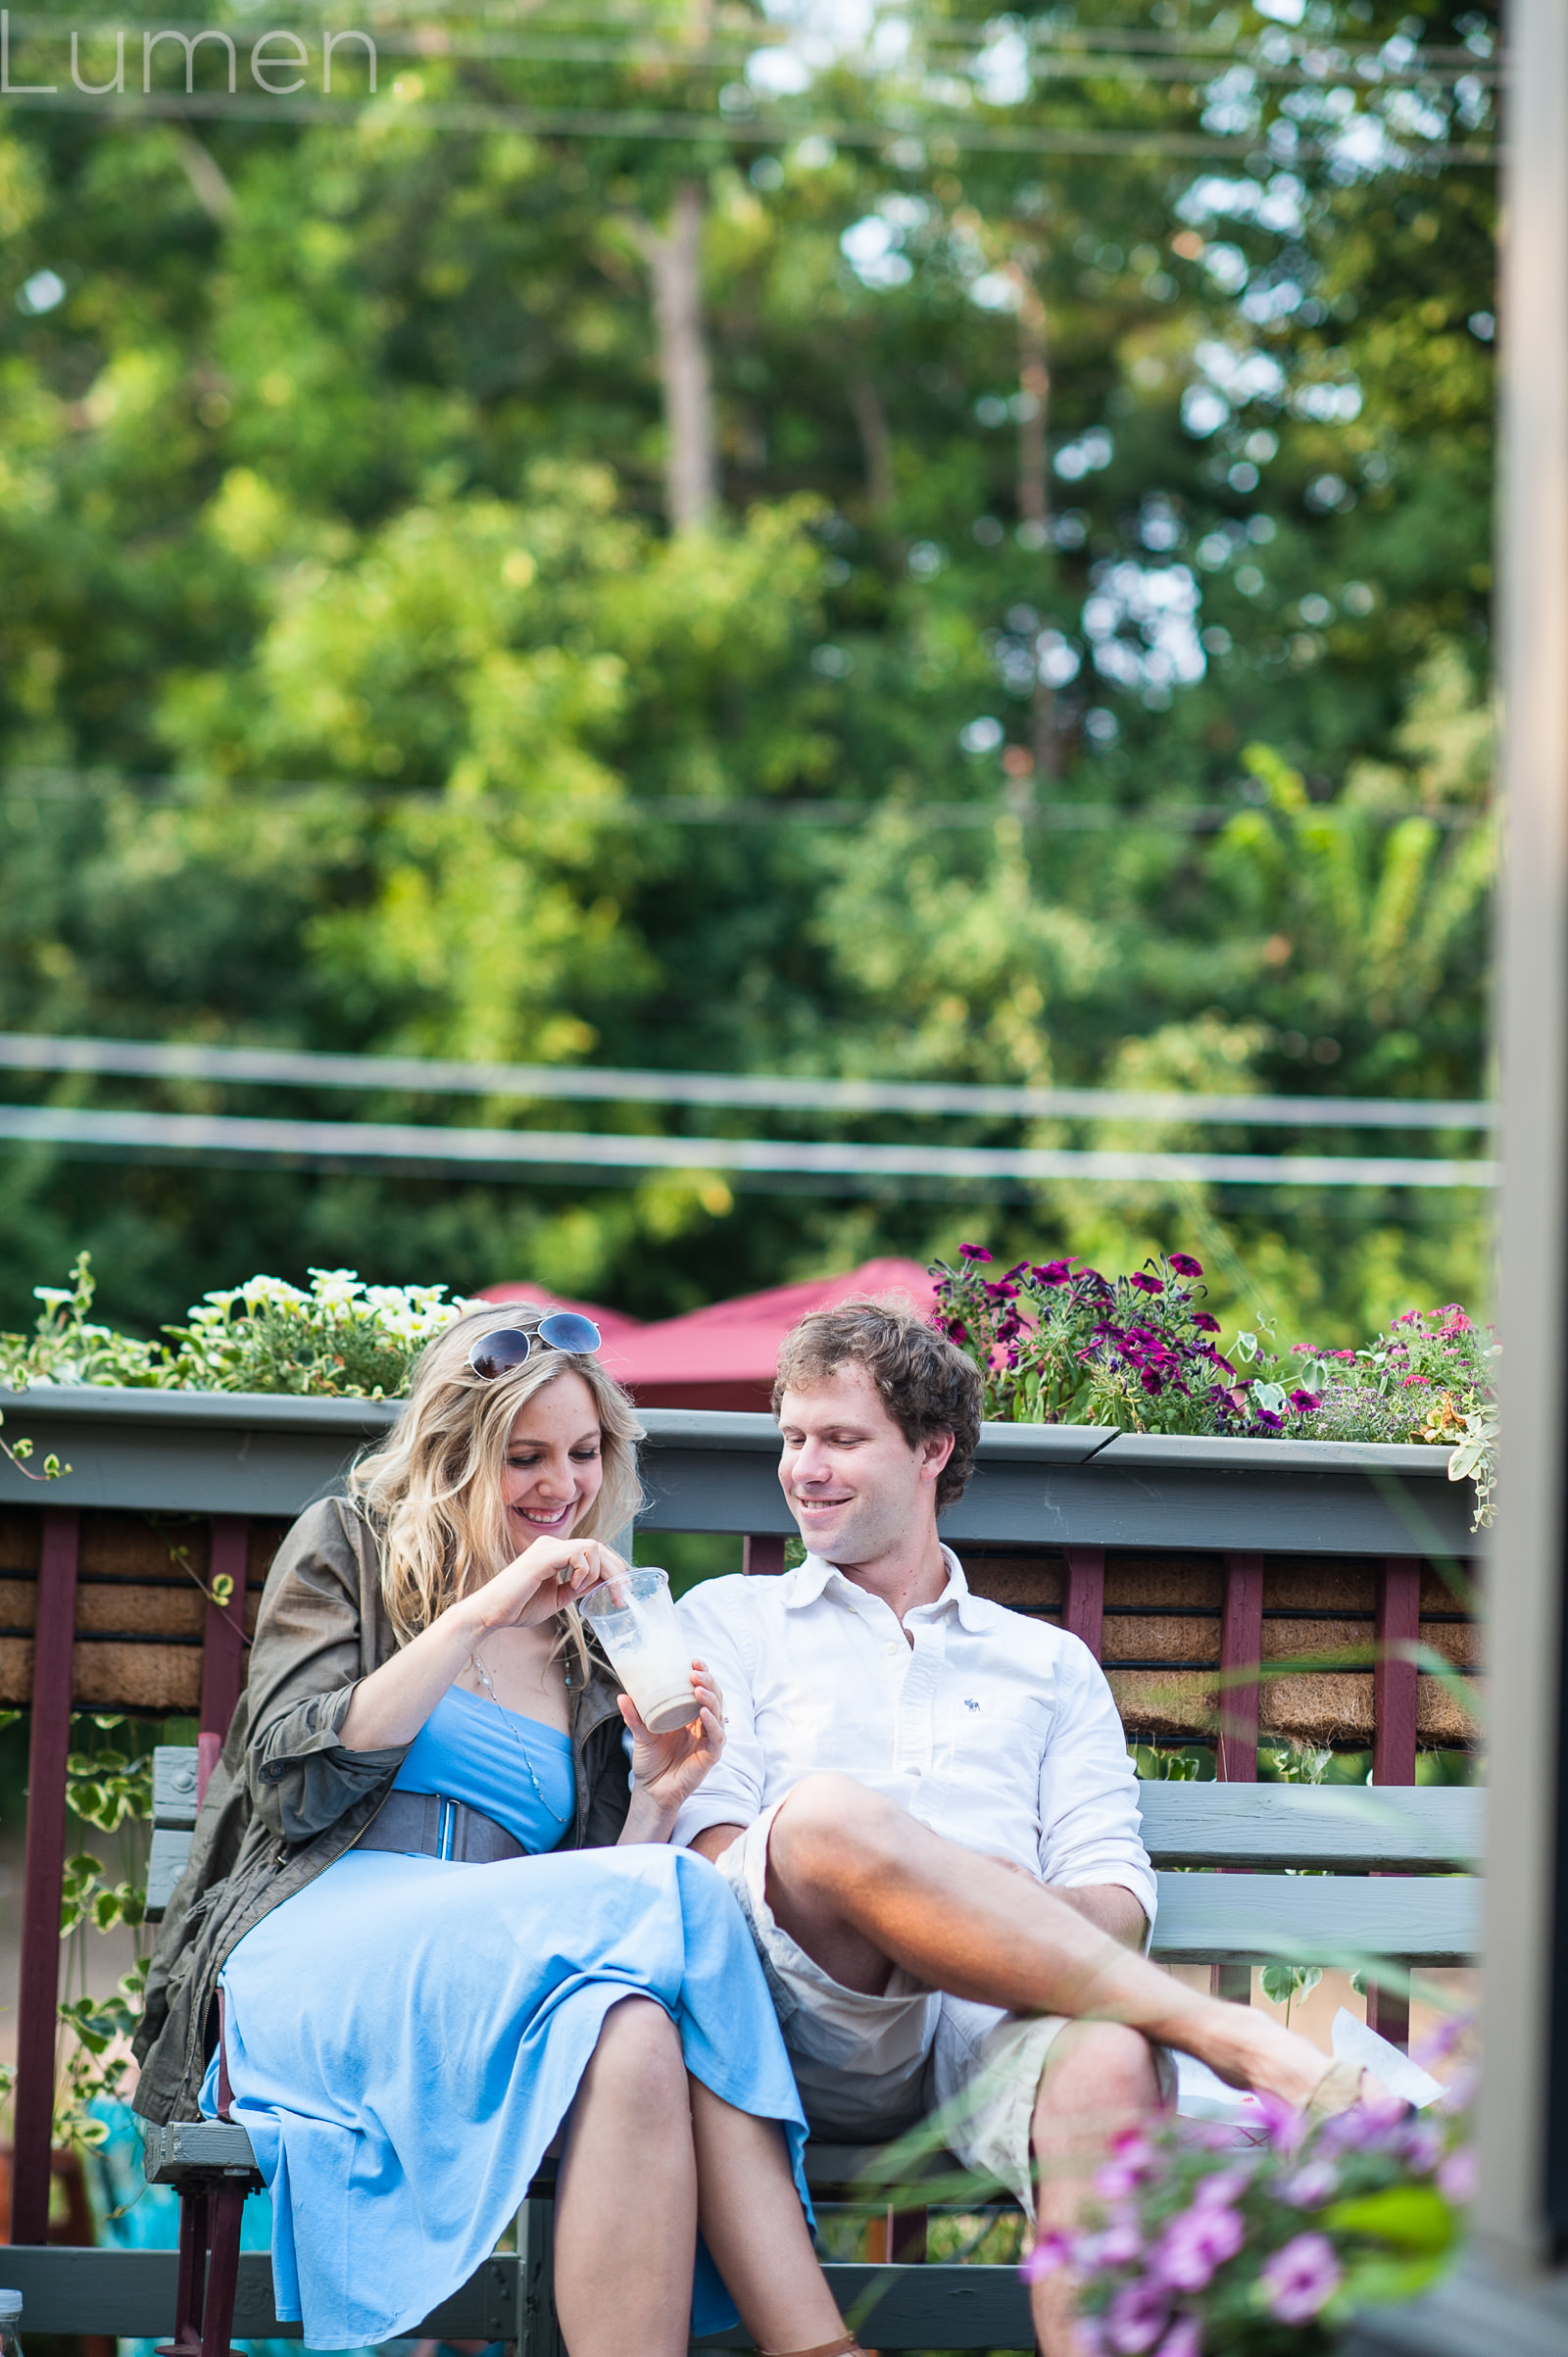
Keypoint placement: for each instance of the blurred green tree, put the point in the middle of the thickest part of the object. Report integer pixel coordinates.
(349, 660)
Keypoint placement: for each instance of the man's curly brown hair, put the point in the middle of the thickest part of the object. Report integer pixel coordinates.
(923, 1381)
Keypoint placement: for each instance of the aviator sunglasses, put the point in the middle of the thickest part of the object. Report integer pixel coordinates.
(506, 1349)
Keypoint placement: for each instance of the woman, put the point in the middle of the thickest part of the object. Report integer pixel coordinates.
(441, 1920)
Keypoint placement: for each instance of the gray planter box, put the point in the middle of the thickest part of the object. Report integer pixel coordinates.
(226, 1452)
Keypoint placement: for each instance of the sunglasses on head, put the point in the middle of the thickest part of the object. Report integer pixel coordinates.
(509, 1347)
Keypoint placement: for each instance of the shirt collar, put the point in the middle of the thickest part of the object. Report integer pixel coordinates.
(809, 1579)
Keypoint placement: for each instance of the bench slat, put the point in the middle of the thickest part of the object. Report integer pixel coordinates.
(130, 2294)
(174, 1784)
(1216, 1919)
(1350, 1826)
(165, 1863)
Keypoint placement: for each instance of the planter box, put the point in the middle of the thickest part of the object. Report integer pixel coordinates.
(1053, 1485)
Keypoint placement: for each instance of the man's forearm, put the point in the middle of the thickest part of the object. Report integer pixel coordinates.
(712, 1842)
(1113, 1909)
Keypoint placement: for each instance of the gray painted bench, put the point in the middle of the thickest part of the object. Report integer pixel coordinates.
(1402, 1893)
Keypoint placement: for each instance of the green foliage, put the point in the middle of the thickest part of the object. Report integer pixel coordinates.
(342, 1337)
(98, 2059)
(108, 1784)
(350, 671)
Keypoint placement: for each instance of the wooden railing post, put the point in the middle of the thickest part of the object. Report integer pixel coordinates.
(1083, 1596)
(222, 1642)
(1394, 1698)
(43, 1874)
(1241, 1649)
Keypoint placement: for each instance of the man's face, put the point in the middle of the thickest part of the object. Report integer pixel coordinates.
(852, 1483)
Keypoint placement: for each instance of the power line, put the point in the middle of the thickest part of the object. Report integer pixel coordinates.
(1048, 816)
(418, 1075)
(613, 123)
(202, 1137)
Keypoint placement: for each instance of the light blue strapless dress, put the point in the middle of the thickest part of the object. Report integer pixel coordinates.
(405, 2036)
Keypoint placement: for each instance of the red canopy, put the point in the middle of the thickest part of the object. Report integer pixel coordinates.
(725, 1356)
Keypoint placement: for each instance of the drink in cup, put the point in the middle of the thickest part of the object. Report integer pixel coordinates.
(633, 1616)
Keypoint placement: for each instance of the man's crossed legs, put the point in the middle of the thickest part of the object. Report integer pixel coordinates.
(879, 1903)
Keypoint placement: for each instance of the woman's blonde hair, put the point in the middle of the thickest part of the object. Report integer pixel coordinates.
(433, 1490)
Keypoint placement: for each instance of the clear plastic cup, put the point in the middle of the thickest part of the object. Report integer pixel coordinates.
(633, 1616)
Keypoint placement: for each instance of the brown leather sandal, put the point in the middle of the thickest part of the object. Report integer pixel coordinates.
(846, 2346)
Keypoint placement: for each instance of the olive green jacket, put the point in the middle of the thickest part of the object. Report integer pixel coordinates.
(286, 1798)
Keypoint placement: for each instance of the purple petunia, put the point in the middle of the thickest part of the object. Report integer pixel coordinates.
(1137, 2317)
(1146, 1282)
(1204, 1323)
(1302, 2279)
(973, 1251)
(1049, 2252)
(1055, 1272)
(1311, 2185)
(1194, 2243)
(1305, 1402)
(1185, 1265)
(1183, 2339)
(1115, 2246)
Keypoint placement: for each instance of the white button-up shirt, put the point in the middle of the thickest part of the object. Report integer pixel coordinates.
(996, 1730)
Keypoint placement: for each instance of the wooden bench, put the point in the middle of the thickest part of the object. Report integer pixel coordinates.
(1401, 1892)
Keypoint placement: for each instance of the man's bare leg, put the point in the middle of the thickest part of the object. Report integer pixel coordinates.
(861, 1886)
(1099, 2078)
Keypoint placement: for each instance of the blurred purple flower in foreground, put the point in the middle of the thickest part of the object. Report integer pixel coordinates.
(1195, 2244)
(1301, 2278)
(1137, 2317)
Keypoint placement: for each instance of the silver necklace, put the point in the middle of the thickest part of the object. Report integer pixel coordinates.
(476, 1665)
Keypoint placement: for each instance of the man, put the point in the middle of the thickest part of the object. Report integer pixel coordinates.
(928, 1813)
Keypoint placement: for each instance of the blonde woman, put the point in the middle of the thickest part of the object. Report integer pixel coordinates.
(441, 1920)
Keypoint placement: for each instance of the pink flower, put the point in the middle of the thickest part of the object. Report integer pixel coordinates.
(1194, 2243)
(1115, 2246)
(1185, 1265)
(1286, 2126)
(1218, 2191)
(1311, 2187)
(1136, 2316)
(1049, 2252)
(1115, 2178)
(973, 1251)
(1300, 2280)
(1442, 2041)
(1148, 1284)
(1183, 2339)
(1456, 2177)
(1131, 2158)
(1423, 2141)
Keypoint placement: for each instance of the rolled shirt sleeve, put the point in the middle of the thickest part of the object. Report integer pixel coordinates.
(1089, 1821)
(714, 1615)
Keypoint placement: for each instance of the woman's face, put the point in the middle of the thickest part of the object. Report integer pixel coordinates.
(553, 1466)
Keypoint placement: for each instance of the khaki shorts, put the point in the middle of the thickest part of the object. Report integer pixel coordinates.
(874, 2066)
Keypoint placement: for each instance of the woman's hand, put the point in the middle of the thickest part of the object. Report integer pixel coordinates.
(533, 1586)
(666, 1769)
